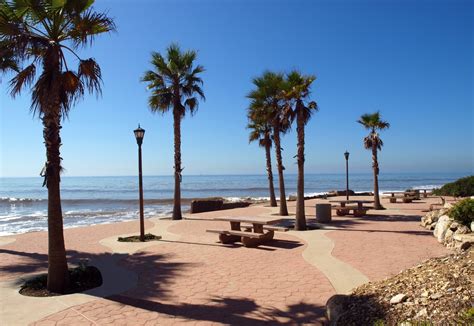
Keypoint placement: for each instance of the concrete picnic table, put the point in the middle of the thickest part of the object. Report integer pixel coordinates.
(407, 196)
(247, 237)
(359, 211)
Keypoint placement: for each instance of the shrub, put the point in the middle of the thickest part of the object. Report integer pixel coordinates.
(463, 187)
(463, 211)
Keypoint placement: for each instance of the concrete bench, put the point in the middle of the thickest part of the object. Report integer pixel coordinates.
(248, 227)
(344, 210)
(405, 199)
(248, 239)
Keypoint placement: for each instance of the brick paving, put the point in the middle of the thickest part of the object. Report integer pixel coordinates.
(194, 280)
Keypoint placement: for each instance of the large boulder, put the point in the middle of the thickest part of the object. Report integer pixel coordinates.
(442, 227)
(336, 306)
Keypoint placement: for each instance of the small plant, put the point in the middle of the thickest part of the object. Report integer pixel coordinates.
(463, 211)
(463, 187)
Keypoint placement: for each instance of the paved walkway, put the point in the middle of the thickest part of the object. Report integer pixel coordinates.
(189, 278)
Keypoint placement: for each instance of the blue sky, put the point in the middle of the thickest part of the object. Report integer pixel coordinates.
(412, 60)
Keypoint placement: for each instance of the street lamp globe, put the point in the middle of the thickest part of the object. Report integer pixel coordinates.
(139, 134)
(346, 155)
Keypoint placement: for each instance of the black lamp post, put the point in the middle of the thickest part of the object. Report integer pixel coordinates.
(139, 134)
(346, 155)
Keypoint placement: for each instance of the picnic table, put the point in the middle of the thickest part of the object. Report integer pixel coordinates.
(250, 231)
(358, 210)
(405, 196)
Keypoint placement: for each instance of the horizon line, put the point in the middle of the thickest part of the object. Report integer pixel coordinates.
(467, 173)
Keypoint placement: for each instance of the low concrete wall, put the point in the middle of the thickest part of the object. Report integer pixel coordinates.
(214, 204)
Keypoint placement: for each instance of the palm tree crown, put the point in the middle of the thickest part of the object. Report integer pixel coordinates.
(261, 132)
(373, 122)
(296, 94)
(175, 79)
(37, 33)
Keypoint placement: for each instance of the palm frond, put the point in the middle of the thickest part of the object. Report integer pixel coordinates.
(90, 74)
(22, 79)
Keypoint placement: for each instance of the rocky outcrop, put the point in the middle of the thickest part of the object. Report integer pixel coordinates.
(447, 231)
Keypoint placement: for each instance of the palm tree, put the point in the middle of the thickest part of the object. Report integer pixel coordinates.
(298, 107)
(260, 131)
(373, 122)
(174, 83)
(268, 101)
(37, 33)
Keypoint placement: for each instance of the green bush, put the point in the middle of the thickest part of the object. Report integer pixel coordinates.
(463, 187)
(463, 211)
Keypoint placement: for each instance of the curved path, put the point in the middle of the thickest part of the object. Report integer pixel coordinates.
(188, 277)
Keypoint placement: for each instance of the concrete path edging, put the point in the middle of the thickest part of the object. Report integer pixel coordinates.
(342, 276)
(17, 309)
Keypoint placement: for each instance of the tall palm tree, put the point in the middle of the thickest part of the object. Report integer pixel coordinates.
(38, 33)
(268, 101)
(299, 108)
(374, 122)
(174, 84)
(260, 131)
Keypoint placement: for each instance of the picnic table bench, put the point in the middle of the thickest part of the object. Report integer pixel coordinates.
(358, 210)
(254, 232)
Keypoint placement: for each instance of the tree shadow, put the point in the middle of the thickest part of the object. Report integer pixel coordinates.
(157, 275)
(141, 262)
(231, 311)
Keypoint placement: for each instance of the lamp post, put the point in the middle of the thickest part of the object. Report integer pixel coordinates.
(346, 155)
(139, 134)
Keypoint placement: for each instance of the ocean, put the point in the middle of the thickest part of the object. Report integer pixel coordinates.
(98, 200)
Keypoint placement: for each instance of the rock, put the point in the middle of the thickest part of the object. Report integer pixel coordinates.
(435, 296)
(454, 226)
(422, 313)
(468, 237)
(462, 229)
(465, 245)
(425, 294)
(472, 226)
(398, 298)
(432, 226)
(441, 227)
(448, 205)
(336, 306)
(448, 236)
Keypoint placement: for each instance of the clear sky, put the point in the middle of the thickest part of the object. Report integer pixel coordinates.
(412, 60)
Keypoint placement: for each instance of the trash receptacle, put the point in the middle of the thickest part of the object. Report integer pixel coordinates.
(323, 213)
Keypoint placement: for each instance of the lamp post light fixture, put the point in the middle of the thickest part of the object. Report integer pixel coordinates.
(346, 155)
(139, 134)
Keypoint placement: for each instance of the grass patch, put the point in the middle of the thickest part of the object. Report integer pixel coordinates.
(81, 278)
(136, 238)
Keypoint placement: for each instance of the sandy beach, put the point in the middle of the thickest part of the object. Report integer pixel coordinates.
(189, 277)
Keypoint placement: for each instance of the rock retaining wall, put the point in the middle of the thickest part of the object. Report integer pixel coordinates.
(447, 231)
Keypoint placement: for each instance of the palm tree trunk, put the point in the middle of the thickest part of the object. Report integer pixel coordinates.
(273, 202)
(375, 165)
(177, 164)
(58, 275)
(276, 139)
(300, 212)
